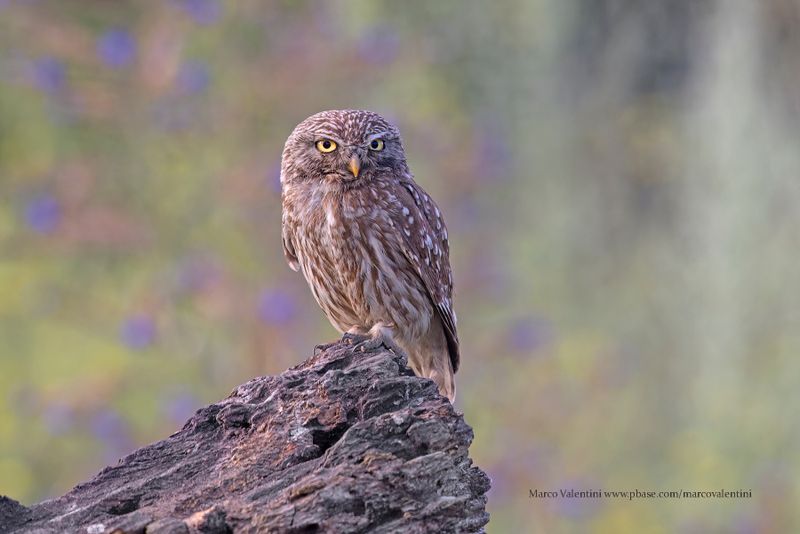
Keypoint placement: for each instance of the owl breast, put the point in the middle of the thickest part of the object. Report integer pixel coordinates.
(352, 257)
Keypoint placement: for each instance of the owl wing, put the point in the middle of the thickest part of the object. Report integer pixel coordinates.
(288, 246)
(426, 248)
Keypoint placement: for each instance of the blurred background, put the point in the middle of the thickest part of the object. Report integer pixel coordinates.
(620, 181)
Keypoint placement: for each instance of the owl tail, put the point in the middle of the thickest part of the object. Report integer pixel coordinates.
(436, 366)
(443, 376)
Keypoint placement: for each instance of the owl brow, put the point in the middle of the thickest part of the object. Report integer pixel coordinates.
(379, 135)
(321, 136)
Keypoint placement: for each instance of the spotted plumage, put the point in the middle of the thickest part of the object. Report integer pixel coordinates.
(370, 242)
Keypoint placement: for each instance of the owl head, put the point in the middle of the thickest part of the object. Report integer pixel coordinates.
(343, 148)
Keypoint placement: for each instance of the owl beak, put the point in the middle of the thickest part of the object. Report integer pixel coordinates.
(354, 165)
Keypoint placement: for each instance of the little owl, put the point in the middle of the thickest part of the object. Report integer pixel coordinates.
(371, 244)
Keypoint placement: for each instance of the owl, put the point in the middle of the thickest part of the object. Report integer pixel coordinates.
(370, 242)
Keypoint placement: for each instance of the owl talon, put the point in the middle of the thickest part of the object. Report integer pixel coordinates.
(363, 343)
(394, 347)
(354, 339)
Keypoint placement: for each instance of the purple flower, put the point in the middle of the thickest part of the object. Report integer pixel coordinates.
(43, 213)
(276, 307)
(116, 47)
(107, 425)
(193, 77)
(203, 11)
(48, 74)
(138, 332)
(111, 429)
(379, 45)
(528, 334)
(179, 406)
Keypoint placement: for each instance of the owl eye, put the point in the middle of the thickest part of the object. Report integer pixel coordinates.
(376, 145)
(326, 145)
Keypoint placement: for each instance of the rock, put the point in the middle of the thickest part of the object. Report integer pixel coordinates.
(347, 441)
(11, 513)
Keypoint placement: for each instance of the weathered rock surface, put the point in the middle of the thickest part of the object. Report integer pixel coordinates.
(344, 442)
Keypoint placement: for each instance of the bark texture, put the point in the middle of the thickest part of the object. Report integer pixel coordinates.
(345, 442)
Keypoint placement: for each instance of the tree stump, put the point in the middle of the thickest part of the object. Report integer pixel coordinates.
(347, 441)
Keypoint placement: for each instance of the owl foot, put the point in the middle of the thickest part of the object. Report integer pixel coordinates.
(350, 338)
(367, 342)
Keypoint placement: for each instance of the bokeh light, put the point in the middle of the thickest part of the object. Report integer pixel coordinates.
(116, 47)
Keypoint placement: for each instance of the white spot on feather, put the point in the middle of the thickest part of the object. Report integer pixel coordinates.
(329, 215)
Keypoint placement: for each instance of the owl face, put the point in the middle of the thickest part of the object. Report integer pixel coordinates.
(345, 147)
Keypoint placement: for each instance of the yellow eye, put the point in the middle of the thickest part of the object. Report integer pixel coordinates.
(326, 145)
(376, 144)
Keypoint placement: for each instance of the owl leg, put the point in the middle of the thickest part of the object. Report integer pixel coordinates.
(379, 334)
